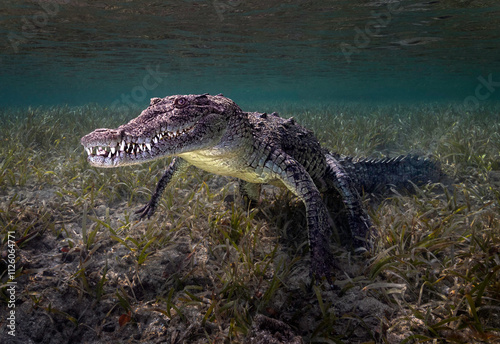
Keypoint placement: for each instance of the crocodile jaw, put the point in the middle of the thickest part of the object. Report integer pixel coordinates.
(120, 149)
(164, 129)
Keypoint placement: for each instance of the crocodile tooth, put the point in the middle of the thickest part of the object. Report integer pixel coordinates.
(88, 151)
(113, 150)
(155, 139)
(148, 146)
(143, 147)
(122, 146)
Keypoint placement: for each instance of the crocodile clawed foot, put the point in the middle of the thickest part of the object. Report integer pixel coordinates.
(145, 212)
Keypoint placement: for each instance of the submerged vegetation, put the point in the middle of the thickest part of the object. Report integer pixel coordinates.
(205, 269)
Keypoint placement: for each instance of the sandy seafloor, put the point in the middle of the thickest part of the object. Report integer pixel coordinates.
(204, 269)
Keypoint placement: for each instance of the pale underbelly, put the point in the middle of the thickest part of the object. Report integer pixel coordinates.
(225, 167)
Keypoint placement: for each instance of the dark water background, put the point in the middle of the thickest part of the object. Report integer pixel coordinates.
(125, 52)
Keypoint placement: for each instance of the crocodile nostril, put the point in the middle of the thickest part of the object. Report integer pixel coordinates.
(155, 101)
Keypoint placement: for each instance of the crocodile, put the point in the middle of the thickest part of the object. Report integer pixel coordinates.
(214, 134)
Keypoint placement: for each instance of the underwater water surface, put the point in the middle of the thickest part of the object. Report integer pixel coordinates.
(125, 52)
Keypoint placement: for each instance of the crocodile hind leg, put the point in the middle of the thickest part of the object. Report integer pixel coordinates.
(359, 222)
(176, 168)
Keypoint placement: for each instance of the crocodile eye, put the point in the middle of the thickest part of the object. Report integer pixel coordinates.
(180, 102)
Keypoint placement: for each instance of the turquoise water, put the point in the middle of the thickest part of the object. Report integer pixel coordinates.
(125, 52)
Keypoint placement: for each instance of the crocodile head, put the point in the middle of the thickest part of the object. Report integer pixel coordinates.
(169, 126)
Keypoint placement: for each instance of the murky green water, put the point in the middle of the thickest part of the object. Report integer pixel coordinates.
(202, 270)
(125, 52)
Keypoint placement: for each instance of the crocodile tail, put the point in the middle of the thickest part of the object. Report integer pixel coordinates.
(401, 172)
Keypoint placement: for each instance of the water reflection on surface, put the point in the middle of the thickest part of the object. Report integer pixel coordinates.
(297, 48)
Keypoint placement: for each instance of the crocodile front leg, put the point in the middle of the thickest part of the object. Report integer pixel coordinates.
(177, 167)
(295, 177)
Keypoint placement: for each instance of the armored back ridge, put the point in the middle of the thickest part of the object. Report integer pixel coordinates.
(214, 134)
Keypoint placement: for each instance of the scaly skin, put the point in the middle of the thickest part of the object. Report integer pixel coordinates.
(214, 134)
